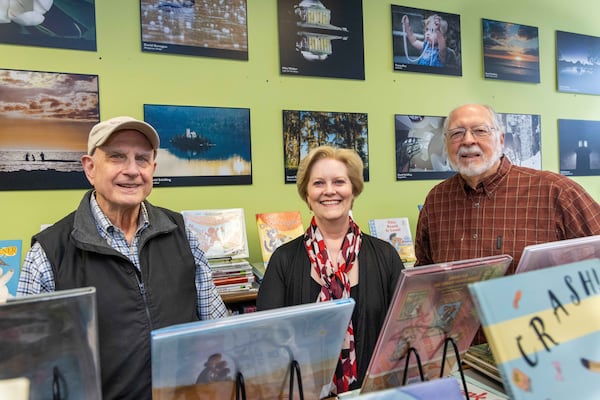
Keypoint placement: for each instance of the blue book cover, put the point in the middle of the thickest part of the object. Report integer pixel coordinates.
(205, 358)
(10, 268)
(544, 330)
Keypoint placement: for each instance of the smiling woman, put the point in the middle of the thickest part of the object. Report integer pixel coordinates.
(334, 259)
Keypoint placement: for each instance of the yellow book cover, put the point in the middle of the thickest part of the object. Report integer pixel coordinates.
(277, 228)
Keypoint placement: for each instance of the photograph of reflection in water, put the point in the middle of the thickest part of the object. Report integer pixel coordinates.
(577, 63)
(45, 118)
(510, 51)
(321, 38)
(195, 27)
(201, 146)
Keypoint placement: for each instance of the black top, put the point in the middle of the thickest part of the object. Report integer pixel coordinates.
(287, 282)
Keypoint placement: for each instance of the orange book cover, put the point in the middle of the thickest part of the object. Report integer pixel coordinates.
(277, 228)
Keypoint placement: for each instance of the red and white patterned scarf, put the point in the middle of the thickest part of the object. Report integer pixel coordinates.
(336, 286)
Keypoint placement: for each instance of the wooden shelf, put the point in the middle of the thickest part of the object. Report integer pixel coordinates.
(238, 297)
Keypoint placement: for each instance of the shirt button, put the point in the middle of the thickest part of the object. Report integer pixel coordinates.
(475, 236)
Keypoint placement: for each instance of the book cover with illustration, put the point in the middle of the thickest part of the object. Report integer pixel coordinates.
(396, 231)
(277, 228)
(544, 328)
(10, 268)
(203, 359)
(221, 232)
(51, 340)
(544, 255)
(430, 304)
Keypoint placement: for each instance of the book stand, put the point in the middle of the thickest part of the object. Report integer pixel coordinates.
(414, 351)
(240, 386)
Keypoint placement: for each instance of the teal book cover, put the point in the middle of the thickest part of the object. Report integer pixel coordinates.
(10, 268)
(544, 330)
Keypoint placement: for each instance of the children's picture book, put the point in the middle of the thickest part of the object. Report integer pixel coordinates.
(544, 328)
(544, 255)
(51, 340)
(10, 268)
(277, 228)
(205, 359)
(430, 305)
(221, 232)
(396, 231)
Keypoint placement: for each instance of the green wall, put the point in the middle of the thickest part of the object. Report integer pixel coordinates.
(129, 78)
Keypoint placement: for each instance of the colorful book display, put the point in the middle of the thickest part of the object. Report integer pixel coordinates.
(544, 330)
(51, 341)
(10, 268)
(544, 255)
(430, 305)
(277, 228)
(205, 359)
(397, 232)
(222, 236)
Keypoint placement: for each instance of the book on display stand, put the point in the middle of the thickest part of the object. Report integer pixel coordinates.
(431, 309)
(270, 354)
(49, 344)
(543, 327)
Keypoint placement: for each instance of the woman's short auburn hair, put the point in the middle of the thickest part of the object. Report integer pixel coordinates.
(350, 158)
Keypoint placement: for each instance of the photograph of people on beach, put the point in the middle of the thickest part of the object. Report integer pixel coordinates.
(45, 118)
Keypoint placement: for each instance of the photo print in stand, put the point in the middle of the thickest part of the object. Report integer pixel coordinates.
(45, 119)
(305, 130)
(201, 146)
(321, 38)
(426, 41)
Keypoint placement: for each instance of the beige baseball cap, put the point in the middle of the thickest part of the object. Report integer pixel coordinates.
(102, 131)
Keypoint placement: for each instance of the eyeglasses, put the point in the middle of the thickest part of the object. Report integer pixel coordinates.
(480, 131)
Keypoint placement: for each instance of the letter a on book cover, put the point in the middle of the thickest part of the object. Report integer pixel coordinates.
(544, 330)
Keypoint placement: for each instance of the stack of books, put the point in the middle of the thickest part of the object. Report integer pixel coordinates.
(222, 236)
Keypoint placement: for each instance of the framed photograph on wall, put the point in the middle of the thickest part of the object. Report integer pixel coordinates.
(420, 148)
(45, 119)
(522, 139)
(577, 64)
(579, 147)
(321, 38)
(426, 41)
(201, 146)
(510, 51)
(66, 24)
(196, 28)
(304, 130)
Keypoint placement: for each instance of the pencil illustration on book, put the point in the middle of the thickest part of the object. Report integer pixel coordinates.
(544, 328)
(431, 305)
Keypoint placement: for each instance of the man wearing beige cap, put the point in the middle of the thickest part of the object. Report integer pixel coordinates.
(147, 267)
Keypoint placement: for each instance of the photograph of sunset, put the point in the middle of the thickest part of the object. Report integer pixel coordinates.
(45, 118)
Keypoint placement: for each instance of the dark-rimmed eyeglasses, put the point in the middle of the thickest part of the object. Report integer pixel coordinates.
(480, 131)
